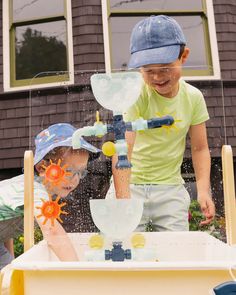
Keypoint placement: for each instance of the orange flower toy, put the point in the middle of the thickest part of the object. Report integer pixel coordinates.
(51, 210)
(54, 174)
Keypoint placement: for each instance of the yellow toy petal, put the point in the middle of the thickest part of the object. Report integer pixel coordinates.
(108, 149)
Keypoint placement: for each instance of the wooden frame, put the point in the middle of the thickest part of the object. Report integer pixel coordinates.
(229, 194)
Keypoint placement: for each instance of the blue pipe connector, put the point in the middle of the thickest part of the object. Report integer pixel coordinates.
(159, 122)
(119, 128)
(123, 163)
(117, 253)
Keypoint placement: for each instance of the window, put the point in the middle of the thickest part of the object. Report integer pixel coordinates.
(37, 40)
(196, 18)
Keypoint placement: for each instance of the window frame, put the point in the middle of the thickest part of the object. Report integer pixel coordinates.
(9, 61)
(207, 15)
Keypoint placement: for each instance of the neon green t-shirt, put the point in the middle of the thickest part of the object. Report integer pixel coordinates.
(158, 153)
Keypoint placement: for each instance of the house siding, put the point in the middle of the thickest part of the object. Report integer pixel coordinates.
(89, 56)
(225, 18)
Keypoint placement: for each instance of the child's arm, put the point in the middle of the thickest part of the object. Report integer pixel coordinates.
(10, 247)
(58, 240)
(122, 176)
(202, 163)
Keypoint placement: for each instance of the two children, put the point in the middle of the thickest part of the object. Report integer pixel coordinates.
(158, 49)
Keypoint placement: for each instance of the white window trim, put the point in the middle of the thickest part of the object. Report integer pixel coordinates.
(213, 43)
(213, 39)
(6, 53)
(106, 40)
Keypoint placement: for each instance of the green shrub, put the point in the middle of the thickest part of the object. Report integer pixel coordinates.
(19, 241)
(216, 228)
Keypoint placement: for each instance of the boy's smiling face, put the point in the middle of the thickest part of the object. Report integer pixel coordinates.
(164, 78)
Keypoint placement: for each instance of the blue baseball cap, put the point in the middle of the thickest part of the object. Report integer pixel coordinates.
(57, 135)
(155, 40)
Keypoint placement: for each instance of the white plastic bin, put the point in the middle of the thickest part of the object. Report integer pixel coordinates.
(190, 263)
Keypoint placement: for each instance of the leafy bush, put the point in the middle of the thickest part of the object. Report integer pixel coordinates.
(216, 228)
(19, 241)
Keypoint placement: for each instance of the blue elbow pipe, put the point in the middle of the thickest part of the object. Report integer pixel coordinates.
(159, 122)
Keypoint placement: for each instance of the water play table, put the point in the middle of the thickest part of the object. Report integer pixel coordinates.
(188, 263)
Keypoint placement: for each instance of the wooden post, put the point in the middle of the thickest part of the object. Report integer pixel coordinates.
(28, 200)
(229, 194)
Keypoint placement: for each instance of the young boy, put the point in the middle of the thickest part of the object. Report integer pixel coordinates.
(158, 50)
(52, 145)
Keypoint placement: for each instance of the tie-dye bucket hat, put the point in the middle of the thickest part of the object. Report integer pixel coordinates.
(55, 136)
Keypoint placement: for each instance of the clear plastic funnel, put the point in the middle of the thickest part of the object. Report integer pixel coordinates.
(116, 91)
(116, 218)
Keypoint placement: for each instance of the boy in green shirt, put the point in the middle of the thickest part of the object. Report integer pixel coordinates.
(158, 49)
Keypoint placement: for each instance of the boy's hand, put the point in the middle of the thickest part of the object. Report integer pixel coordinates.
(207, 208)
